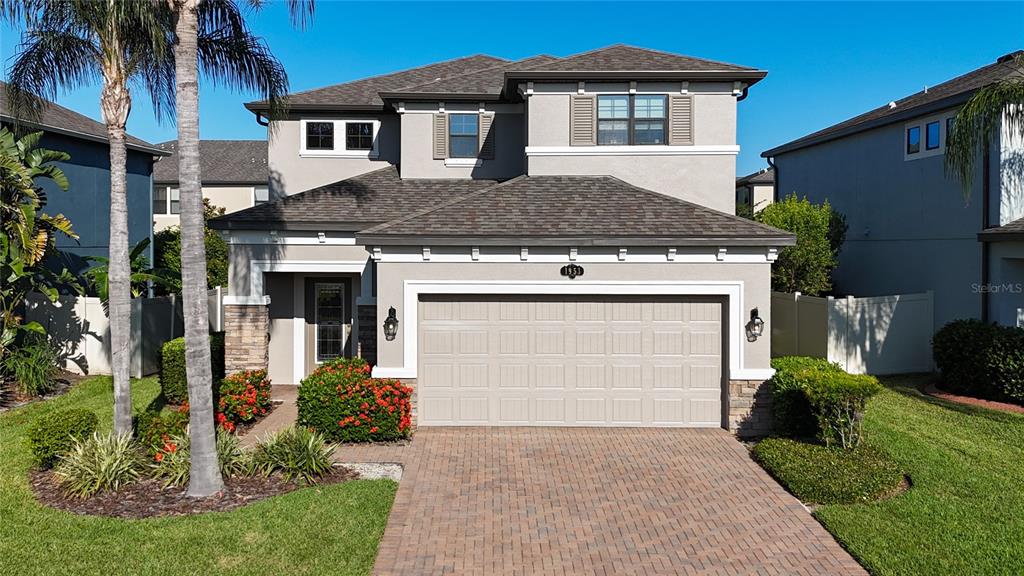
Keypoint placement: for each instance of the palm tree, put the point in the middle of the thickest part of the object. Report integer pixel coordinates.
(214, 34)
(979, 120)
(69, 44)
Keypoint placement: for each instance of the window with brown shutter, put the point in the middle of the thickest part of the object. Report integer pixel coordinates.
(487, 136)
(680, 125)
(440, 136)
(582, 118)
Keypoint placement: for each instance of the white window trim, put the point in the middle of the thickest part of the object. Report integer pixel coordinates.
(732, 290)
(463, 162)
(254, 202)
(922, 123)
(339, 139)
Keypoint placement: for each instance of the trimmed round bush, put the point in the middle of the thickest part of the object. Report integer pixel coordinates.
(343, 403)
(53, 435)
(838, 401)
(822, 475)
(244, 397)
(173, 383)
(981, 360)
(792, 411)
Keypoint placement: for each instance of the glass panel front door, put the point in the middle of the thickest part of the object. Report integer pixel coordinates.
(330, 321)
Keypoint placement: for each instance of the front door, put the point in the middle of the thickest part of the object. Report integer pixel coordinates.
(328, 321)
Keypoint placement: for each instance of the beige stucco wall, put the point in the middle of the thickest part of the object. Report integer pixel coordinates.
(231, 198)
(291, 173)
(755, 277)
(417, 149)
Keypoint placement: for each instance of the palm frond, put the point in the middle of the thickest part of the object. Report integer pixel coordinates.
(48, 61)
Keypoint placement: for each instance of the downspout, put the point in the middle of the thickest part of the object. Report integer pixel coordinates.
(986, 193)
(260, 120)
(775, 178)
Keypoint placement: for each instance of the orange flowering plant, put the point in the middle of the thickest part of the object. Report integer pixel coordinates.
(244, 397)
(342, 402)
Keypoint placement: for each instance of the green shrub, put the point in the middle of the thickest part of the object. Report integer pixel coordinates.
(173, 384)
(53, 435)
(296, 453)
(167, 251)
(838, 400)
(34, 365)
(792, 411)
(171, 462)
(981, 360)
(244, 397)
(341, 401)
(824, 475)
(99, 462)
(820, 232)
(153, 429)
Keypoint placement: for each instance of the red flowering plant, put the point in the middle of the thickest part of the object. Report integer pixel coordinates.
(154, 428)
(244, 397)
(341, 401)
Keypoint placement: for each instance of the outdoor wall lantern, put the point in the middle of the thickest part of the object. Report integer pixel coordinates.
(755, 328)
(391, 325)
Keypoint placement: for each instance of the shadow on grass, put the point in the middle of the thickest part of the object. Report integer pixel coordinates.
(912, 385)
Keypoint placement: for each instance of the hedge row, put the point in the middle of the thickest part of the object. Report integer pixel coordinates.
(173, 384)
(981, 360)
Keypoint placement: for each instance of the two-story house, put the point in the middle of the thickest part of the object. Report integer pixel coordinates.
(911, 227)
(234, 174)
(547, 241)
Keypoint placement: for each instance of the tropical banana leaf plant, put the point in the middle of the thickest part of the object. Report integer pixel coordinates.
(141, 274)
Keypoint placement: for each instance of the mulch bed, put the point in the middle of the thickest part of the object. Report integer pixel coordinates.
(11, 397)
(931, 390)
(148, 498)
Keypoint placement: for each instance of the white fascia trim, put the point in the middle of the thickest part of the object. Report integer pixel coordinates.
(463, 162)
(705, 150)
(709, 255)
(732, 289)
(256, 237)
(258, 267)
(247, 300)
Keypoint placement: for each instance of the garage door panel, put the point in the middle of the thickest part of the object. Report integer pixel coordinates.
(586, 361)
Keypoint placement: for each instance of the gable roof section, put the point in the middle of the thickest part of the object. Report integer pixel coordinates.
(764, 176)
(60, 120)
(220, 162)
(1011, 231)
(364, 94)
(349, 205)
(631, 63)
(947, 94)
(583, 210)
(486, 83)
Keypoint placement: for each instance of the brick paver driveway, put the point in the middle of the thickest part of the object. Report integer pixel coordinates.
(596, 501)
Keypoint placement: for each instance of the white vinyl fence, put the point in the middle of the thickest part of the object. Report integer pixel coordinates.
(874, 335)
(81, 330)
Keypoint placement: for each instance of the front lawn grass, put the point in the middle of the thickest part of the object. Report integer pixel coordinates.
(319, 530)
(964, 513)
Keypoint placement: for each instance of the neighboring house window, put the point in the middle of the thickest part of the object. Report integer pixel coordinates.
(612, 120)
(931, 135)
(160, 200)
(463, 135)
(330, 320)
(649, 117)
(261, 195)
(175, 201)
(359, 136)
(319, 135)
(913, 140)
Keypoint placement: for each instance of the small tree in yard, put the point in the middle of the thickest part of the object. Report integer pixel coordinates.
(820, 232)
(167, 252)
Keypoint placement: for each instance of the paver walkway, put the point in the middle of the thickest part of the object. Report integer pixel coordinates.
(593, 501)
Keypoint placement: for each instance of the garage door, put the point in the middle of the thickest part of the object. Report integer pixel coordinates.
(569, 361)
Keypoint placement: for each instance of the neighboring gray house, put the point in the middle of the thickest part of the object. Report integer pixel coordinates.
(910, 227)
(87, 201)
(756, 190)
(554, 237)
(234, 174)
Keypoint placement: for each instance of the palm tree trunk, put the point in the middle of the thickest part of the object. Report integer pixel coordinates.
(116, 103)
(205, 478)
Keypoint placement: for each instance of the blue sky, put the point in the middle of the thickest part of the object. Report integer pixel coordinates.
(825, 61)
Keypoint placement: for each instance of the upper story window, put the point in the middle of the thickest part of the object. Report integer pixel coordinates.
(356, 138)
(160, 200)
(463, 135)
(913, 140)
(319, 136)
(638, 119)
(175, 201)
(931, 136)
(260, 195)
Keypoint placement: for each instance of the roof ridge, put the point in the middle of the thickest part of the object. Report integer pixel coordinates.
(446, 204)
(652, 51)
(471, 72)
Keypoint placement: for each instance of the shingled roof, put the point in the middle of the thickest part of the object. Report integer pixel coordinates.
(364, 94)
(586, 210)
(1007, 232)
(764, 176)
(932, 99)
(487, 82)
(58, 119)
(220, 162)
(621, 57)
(350, 205)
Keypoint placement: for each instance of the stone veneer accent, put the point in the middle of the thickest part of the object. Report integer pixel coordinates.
(750, 408)
(246, 337)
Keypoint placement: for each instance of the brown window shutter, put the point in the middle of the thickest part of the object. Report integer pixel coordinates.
(582, 119)
(440, 136)
(487, 136)
(680, 122)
